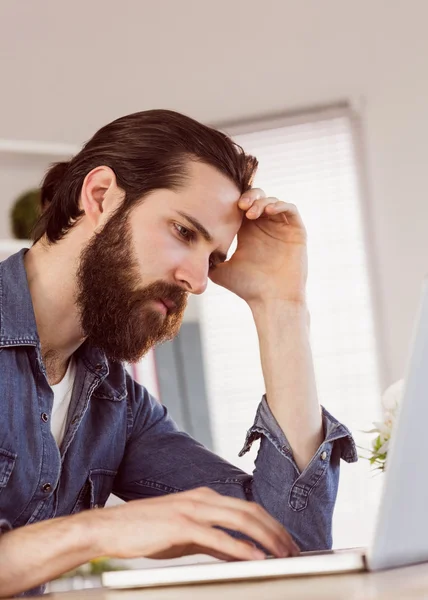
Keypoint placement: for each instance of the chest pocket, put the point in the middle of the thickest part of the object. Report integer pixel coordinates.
(7, 462)
(96, 490)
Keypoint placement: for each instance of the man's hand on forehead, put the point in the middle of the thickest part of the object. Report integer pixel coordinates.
(270, 259)
(254, 203)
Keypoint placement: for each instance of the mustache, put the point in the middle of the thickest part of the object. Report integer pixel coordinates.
(162, 290)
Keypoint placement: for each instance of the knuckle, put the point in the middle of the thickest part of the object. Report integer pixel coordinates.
(256, 508)
(202, 493)
(180, 521)
(192, 506)
(180, 505)
(240, 520)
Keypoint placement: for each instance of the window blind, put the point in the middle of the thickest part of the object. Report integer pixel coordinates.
(312, 164)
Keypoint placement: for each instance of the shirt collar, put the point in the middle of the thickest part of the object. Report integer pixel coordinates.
(17, 319)
(18, 327)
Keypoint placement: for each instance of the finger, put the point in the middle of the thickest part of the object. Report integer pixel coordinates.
(259, 205)
(266, 520)
(289, 210)
(219, 555)
(193, 549)
(248, 197)
(221, 543)
(252, 521)
(209, 497)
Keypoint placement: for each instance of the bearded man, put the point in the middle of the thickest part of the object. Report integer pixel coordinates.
(139, 219)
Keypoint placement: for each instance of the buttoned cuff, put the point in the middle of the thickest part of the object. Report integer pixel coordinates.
(266, 425)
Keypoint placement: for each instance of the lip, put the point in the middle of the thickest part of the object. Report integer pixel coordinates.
(170, 304)
(164, 305)
(160, 306)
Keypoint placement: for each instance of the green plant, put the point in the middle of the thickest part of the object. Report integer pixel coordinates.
(97, 566)
(24, 214)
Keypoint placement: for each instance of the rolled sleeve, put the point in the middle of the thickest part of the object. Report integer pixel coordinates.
(302, 500)
(160, 459)
(266, 425)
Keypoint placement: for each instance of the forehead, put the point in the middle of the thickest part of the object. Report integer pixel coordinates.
(212, 195)
(207, 180)
(208, 196)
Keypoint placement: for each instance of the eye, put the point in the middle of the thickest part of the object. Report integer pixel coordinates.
(187, 234)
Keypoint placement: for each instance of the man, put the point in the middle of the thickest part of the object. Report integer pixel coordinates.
(136, 221)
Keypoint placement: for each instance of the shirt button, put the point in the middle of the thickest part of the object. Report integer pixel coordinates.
(74, 421)
(45, 417)
(99, 367)
(323, 455)
(47, 487)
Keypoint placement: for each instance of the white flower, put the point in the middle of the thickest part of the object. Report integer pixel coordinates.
(380, 444)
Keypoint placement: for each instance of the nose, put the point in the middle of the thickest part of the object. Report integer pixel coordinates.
(192, 275)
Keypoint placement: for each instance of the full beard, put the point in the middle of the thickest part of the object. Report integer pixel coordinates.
(117, 316)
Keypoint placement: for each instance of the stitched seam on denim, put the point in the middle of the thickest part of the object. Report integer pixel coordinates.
(345, 432)
(109, 472)
(37, 512)
(227, 480)
(333, 427)
(92, 483)
(157, 486)
(112, 398)
(64, 450)
(307, 489)
(8, 453)
(353, 455)
(31, 501)
(90, 392)
(283, 450)
(9, 463)
(89, 485)
(18, 342)
(116, 398)
(89, 396)
(44, 452)
(89, 366)
(251, 437)
(129, 421)
(80, 496)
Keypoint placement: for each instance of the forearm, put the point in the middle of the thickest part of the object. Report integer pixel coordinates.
(35, 554)
(286, 358)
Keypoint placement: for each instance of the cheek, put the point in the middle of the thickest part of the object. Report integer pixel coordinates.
(158, 255)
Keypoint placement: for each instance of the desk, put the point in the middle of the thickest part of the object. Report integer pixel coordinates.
(402, 584)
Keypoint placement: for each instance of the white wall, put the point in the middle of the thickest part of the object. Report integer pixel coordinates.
(67, 69)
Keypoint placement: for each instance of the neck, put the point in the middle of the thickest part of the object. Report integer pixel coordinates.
(51, 274)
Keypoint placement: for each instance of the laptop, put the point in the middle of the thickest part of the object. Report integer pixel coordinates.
(401, 531)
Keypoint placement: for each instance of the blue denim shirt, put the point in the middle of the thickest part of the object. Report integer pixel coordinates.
(120, 439)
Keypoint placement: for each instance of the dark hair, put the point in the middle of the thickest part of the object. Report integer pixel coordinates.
(147, 151)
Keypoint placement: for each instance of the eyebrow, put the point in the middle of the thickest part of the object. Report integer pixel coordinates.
(220, 256)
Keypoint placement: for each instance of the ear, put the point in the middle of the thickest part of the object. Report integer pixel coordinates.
(99, 195)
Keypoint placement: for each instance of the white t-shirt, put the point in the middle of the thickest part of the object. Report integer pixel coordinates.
(62, 398)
